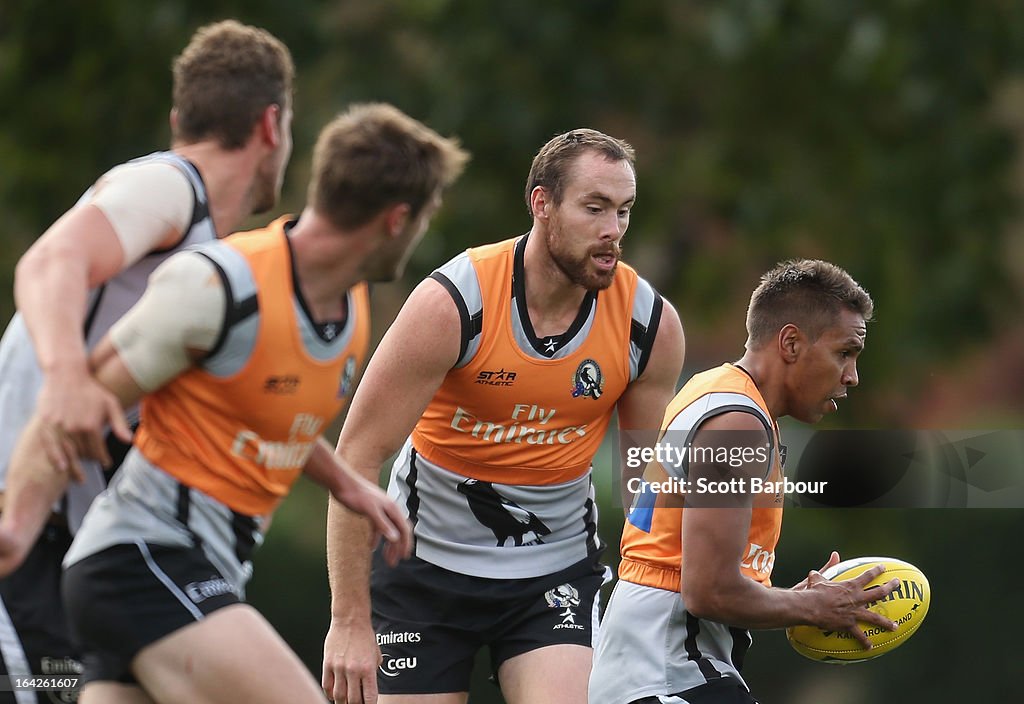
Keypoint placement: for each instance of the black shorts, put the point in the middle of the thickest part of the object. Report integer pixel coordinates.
(34, 637)
(723, 691)
(121, 599)
(430, 622)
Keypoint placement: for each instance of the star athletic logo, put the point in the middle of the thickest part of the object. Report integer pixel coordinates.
(565, 597)
(498, 378)
(282, 384)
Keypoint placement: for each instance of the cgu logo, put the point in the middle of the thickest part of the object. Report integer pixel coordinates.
(759, 559)
(392, 667)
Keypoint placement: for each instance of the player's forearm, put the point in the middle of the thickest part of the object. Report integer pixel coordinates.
(50, 289)
(332, 472)
(321, 468)
(348, 564)
(748, 604)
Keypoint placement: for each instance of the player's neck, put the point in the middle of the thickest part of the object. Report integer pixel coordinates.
(327, 264)
(551, 297)
(767, 379)
(228, 176)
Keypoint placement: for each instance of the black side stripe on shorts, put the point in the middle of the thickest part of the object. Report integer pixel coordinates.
(184, 504)
(740, 643)
(412, 504)
(184, 509)
(693, 652)
(590, 526)
(244, 528)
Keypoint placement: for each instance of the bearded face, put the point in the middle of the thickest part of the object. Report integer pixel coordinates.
(591, 267)
(584, 231)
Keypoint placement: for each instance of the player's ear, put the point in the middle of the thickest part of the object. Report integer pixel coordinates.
(397, 219)
(539, 202)
(271, 125)
(173, 119)
(790, 342)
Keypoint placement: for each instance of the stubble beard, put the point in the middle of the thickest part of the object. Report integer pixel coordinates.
(579, 270)
(266, 188)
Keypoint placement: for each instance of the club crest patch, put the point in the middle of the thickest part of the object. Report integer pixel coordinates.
(562, 596)
(348, 373)
(588, 381)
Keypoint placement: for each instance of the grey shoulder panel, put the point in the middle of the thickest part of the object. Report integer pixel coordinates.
(459, 278)
(682, 429)
(237, 338)
(647, 306)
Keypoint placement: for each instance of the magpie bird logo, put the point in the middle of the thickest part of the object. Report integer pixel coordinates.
(588, 381)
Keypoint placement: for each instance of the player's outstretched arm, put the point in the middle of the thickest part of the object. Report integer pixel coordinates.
(402, 377)
(362, 496)
(715, 542)
(34, 484)
(641, 408)
(171, 326)
(34, 481)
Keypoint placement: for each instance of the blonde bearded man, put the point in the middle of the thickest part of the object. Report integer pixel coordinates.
(500, 376)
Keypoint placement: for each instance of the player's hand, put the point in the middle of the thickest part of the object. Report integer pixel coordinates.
(845, 603)
(833, 560)
(32, 486)
(74, 411)
(386, 519)
(351, 658)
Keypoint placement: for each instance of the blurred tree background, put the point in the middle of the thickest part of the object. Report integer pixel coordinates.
(884, 136)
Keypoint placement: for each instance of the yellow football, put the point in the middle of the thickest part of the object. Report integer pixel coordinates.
(907, 606)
